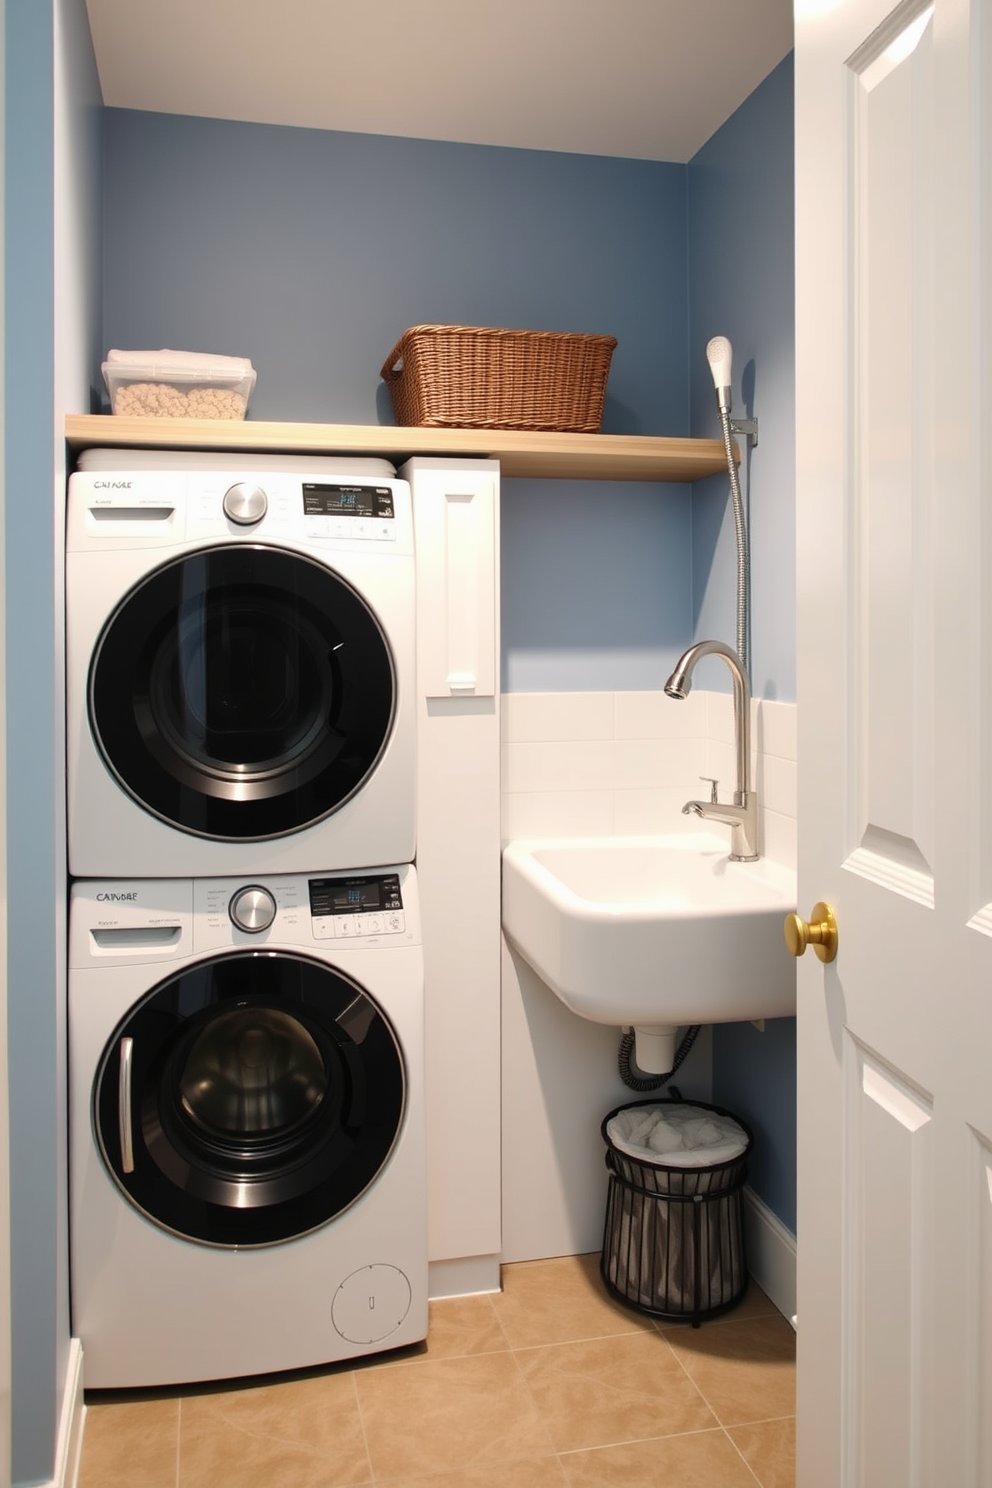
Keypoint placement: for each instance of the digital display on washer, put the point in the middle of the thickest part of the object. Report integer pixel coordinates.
(337, 896)
(347, 501)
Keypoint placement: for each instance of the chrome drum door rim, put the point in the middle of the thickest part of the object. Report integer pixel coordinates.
(252, 1181)
(242, 692)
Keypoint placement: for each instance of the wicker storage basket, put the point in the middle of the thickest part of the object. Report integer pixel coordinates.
(475, 377)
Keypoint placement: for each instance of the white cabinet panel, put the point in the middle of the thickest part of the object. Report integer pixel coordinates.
(456, 513)
(456, 523)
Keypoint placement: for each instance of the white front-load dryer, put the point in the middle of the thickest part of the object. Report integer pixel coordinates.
(247, 1129)
(240, 659)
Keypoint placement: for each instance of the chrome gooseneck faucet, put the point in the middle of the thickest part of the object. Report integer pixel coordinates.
(742, 816)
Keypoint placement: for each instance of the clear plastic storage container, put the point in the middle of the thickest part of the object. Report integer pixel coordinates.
(168, 384)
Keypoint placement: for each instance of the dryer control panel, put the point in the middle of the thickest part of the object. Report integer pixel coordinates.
(352, 511)
(367, 904)
(121, 500)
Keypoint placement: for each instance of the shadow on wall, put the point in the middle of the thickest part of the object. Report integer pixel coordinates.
(754, 1075)
(564, 1081)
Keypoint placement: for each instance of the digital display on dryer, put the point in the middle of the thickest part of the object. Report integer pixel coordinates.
(337, 896)
(347, 501)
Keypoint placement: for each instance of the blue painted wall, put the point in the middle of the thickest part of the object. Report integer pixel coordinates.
(38, 1332)
(596, 586)
(741, 285)
(741, 279)
(52, 162)
(310, 252)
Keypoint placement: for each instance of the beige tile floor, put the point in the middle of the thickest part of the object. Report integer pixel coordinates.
(549, 1384)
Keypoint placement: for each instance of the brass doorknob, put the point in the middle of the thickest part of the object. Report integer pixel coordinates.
(820, 931)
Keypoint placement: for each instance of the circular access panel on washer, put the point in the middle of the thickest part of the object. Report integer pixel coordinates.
(371, 1303)
(242, 693)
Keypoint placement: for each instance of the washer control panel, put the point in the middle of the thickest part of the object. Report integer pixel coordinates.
(141, 921)
(359, 904)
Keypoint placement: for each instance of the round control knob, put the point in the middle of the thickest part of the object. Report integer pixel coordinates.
(252, 909)
(245, 504)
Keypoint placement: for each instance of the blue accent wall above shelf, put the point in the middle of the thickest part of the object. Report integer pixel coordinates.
(520, 453)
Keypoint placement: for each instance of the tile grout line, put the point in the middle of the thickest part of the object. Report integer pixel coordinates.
(709, 1405)
(725, 1429)
(742, 1457)
(545, 1427)
(625, 1441)
(530, 1348)
(498, 1320)
(352, 1374)
(419, 1359)
(760, 1421)
(635, 1441)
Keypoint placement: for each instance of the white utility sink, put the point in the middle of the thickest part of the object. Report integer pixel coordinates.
(652, 930)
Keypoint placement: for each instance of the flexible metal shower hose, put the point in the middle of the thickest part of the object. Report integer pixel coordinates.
(743, 558)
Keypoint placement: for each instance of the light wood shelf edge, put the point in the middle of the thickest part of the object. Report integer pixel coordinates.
(545, 456)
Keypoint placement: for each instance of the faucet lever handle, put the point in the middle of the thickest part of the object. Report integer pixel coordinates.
(714, 796)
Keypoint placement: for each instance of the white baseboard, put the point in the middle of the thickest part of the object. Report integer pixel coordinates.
(464, 1277)
(771, 1253)
(69, 1445)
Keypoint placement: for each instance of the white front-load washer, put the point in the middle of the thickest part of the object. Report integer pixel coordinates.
(247, 1129)
(240, 660)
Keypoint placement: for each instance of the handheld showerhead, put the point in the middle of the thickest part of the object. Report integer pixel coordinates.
(719, 354)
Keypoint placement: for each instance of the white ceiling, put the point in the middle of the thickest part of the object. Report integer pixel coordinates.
(647, 79)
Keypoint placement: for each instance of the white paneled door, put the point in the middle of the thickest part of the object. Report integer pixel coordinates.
(895, 747)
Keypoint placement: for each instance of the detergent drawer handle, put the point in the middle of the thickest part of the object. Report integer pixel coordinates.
(124, 1105)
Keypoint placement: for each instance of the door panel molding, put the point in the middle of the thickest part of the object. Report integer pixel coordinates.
(887, 1310)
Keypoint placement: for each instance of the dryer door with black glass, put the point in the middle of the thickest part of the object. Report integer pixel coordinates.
(242, 692)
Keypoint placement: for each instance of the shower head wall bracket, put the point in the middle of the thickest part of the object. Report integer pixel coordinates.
(747, 427)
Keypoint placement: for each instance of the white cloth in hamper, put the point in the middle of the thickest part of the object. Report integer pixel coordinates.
(678, 1136)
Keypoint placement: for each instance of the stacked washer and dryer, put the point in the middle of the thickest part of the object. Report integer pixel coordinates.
(247, 1130)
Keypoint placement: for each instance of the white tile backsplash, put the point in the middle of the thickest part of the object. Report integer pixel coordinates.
(776, 784)
(535, 717)
(572, 765)
(654, 812)
(721, 765)
(779, 838)
(586, 764)
(560, 814)
(720, 717)
(651, 715)
(776, 729)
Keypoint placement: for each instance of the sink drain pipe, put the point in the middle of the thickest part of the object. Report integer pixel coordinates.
(640, 1081)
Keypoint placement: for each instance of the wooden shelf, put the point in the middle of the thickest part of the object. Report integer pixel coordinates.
(610, 457)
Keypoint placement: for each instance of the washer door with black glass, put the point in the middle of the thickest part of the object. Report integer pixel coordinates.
(242, 692)
(249, 1099)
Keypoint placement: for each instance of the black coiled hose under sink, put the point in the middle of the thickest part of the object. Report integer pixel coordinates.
(641, 1081)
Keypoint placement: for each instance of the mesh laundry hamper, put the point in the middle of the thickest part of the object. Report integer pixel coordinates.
(673, 1242)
